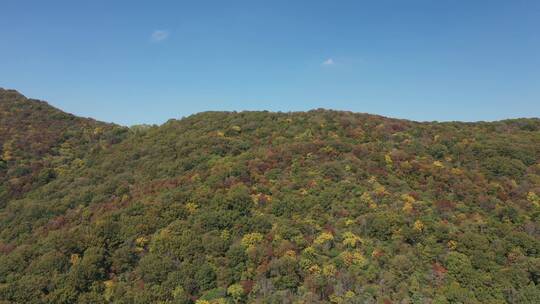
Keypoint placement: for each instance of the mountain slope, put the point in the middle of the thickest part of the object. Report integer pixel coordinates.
(35, 136)
(307, 207)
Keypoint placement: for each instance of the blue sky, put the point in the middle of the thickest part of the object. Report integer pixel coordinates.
(136, 62)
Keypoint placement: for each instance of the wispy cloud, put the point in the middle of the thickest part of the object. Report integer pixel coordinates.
(159, 35)
(328, 62)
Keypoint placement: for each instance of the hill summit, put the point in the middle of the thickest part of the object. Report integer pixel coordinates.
(260, 207)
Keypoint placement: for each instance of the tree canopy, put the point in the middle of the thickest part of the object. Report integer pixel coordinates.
(261, 207)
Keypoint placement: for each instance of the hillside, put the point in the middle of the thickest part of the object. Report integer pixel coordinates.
(260, 207)
(37, 139)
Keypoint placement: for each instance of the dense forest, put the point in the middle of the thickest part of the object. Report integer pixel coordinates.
(261, 207)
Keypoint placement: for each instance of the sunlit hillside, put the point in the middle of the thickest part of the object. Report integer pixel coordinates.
(261, 207)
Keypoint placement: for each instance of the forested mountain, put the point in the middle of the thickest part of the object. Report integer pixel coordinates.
(260, 207)
(36, 140)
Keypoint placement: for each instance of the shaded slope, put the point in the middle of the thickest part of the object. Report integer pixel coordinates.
(34, 137)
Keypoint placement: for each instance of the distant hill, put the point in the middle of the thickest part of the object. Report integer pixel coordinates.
(260, 207)
(35, 137)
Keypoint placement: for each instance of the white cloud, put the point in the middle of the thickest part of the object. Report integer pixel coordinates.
(328, 61)
(159, 35)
